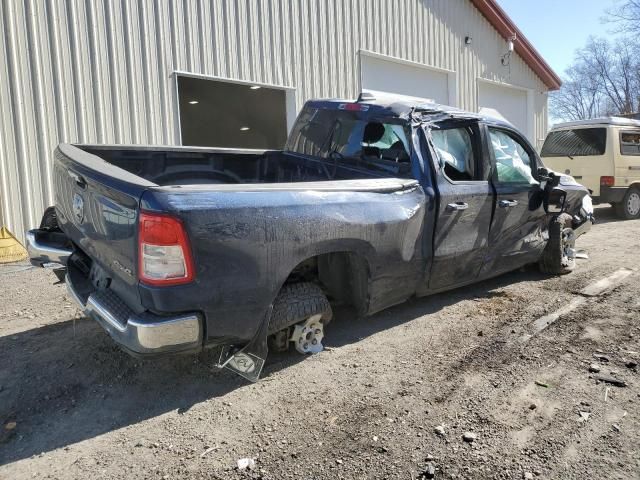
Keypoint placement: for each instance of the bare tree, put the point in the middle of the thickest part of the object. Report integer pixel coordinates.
(603, 80)
(605, 76)
(626, 15)
(580, 96)
(616, 69)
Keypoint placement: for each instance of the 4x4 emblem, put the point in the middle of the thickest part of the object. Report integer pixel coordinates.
(78, 207)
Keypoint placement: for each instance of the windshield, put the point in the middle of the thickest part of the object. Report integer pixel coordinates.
(580, 142)
(380, 144)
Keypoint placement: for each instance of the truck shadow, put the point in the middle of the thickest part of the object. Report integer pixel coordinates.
(67, 382)
(606, 214)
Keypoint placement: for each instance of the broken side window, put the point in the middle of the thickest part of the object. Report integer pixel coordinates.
(455, 149)
(513, 162)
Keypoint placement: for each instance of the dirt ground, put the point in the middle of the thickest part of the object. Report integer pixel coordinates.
(367, 407)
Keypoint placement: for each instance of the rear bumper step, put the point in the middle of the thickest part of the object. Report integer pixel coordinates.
(143, 334)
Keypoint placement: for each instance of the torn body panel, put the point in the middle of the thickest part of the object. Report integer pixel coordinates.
(249, 243)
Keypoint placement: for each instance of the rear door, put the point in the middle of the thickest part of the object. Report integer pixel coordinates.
(465, 205)
(516, 235)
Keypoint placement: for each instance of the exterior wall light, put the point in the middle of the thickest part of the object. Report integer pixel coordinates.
(506, 58)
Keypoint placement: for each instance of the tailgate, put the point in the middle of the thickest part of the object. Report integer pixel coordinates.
(97, 205)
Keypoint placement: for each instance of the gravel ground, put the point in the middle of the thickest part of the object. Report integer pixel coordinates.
(391, 397)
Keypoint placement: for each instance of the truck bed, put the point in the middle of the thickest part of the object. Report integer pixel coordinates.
(165, 166)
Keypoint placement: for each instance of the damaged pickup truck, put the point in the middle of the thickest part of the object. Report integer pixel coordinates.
(371, 202)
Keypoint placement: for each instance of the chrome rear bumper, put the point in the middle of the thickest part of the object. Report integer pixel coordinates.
(140, 334)
(41, 252)
(584, 227)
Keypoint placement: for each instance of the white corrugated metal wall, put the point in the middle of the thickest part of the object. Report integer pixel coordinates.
(101, 71)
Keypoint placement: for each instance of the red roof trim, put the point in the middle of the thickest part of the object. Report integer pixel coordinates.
(505, 26)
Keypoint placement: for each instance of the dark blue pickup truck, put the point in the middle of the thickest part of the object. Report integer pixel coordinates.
(176, 249)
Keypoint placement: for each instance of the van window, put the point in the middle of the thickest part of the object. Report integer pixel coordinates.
(630, 143)
(581, 142)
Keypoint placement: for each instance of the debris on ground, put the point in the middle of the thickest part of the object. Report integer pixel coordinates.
(469, 437)
(612, 380)
(439, 430)
(208, 450)
(601, 357)
(584, 416)
(542, 384)
(246, 463)
(429, 472)
(594, 368)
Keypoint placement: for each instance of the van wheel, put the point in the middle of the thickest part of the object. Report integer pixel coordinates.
(629, 207)
(559, 257)
(297, 303)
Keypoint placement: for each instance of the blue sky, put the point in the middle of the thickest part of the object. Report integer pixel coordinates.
(558, 27)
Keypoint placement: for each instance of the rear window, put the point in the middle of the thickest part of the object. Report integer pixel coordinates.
(581, 142)
(353, 139)
(630, 143)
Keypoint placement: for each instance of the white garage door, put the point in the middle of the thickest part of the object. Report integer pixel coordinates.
(510, 102)
(392, 76)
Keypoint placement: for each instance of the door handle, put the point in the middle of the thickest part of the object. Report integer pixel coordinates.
(457, 206)
(508, 203)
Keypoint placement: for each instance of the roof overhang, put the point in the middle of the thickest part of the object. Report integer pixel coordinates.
(505, 26)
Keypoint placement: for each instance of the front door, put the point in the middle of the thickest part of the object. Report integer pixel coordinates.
(466, 203)
(516, 235)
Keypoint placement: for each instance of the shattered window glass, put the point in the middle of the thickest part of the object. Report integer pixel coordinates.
(455, 149)
(513, 163)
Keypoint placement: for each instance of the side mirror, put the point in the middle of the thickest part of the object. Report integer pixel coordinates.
(549, 176)
(543, 173)
(557, 201)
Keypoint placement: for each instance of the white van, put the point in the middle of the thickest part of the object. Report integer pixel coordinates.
(602, 154)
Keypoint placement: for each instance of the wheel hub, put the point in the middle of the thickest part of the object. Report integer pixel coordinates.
(633, 204)
(307, 336)
(568, 246)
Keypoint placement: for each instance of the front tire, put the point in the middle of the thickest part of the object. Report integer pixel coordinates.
(558, 257)
(629, 207)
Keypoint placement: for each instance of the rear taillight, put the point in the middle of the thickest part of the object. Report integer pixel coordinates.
(164, 254)
(607, 181)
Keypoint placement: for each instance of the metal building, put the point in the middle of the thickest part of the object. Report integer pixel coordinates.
(235, 72)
